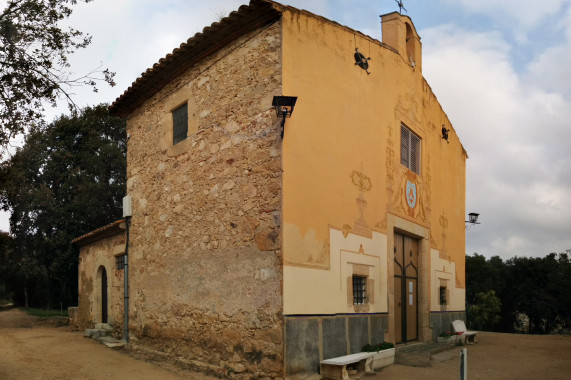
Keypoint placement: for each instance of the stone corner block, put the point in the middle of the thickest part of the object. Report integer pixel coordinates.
(268, 240)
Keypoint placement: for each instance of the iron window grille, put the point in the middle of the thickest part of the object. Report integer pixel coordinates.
(409, 149)
(359, 290)
(180, 124)
(120, 262)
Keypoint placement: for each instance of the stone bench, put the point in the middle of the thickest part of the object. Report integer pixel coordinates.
(459, 327)
(336, 368)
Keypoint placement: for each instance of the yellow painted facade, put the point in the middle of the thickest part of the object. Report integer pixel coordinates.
(344, 187)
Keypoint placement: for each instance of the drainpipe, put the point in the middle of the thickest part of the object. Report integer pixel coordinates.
(127, 213)
(126, 287)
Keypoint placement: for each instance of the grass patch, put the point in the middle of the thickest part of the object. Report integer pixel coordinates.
(44, 312)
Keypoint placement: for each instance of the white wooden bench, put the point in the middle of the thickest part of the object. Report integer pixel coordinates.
(336, 368)
(459, 327)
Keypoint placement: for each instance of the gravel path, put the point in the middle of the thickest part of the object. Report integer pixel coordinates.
(33, 348)
(497, 356)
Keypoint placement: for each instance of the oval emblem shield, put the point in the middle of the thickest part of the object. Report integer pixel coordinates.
(410, 194)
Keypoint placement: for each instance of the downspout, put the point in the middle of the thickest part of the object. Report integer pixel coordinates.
(127, 214)
(126, 287)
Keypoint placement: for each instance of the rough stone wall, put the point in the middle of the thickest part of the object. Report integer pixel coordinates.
(92, 257)
(204, 254)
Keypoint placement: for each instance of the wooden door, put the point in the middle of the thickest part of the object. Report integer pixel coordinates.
(398, 283)
(406, 288)
(104, 296)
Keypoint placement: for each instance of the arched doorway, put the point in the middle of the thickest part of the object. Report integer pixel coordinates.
(104, 295)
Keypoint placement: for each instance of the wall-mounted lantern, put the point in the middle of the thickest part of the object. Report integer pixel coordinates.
(445, 134)
(361, 61)
(284, 107)
(472, 220)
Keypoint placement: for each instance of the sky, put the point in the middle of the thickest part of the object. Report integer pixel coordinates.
(501, 70)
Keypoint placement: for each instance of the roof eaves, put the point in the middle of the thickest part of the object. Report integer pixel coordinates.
(100, 233)
(212, 38)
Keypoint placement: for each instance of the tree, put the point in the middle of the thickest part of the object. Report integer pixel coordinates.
(485, 312)
(482, 276)
(17, 271)
(68, 179)
(34, 53)
(5, 265)
(537, 288)
(541, 291)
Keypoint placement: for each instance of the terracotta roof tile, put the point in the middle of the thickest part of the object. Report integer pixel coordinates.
(100, 233)
(246, 19)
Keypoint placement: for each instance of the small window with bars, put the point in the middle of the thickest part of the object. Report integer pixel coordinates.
(120, 262)
(180, 124)
(442, 296)
(359, 290)
(409, 149)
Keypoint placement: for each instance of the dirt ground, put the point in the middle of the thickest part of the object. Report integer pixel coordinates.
(32, 347)
(36, 348)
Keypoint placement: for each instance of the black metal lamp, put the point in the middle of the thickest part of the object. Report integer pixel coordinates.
(445, 136)
(472, 219)
(284, 107)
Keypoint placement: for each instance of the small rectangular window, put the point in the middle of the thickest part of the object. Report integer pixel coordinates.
(409, 149)
(442, 296)
(120, 262)
(180, 124)
(359, 290)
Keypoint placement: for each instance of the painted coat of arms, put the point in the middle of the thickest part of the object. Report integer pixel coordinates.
(410, 194)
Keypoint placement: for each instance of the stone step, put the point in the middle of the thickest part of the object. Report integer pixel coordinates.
(104, 326)
(96, 333)
(419, 354)
(111, 342)
(413, 358)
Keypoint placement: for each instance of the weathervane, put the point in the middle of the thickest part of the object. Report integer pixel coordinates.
(401, 6)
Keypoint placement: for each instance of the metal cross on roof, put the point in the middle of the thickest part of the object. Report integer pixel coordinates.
(401, 6)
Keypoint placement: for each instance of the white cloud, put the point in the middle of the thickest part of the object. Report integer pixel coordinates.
(552, 67)
(136, 34)
(525, 13)
(471, 73)
(517, 136)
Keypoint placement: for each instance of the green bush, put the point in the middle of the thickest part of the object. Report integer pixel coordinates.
(377, 347)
